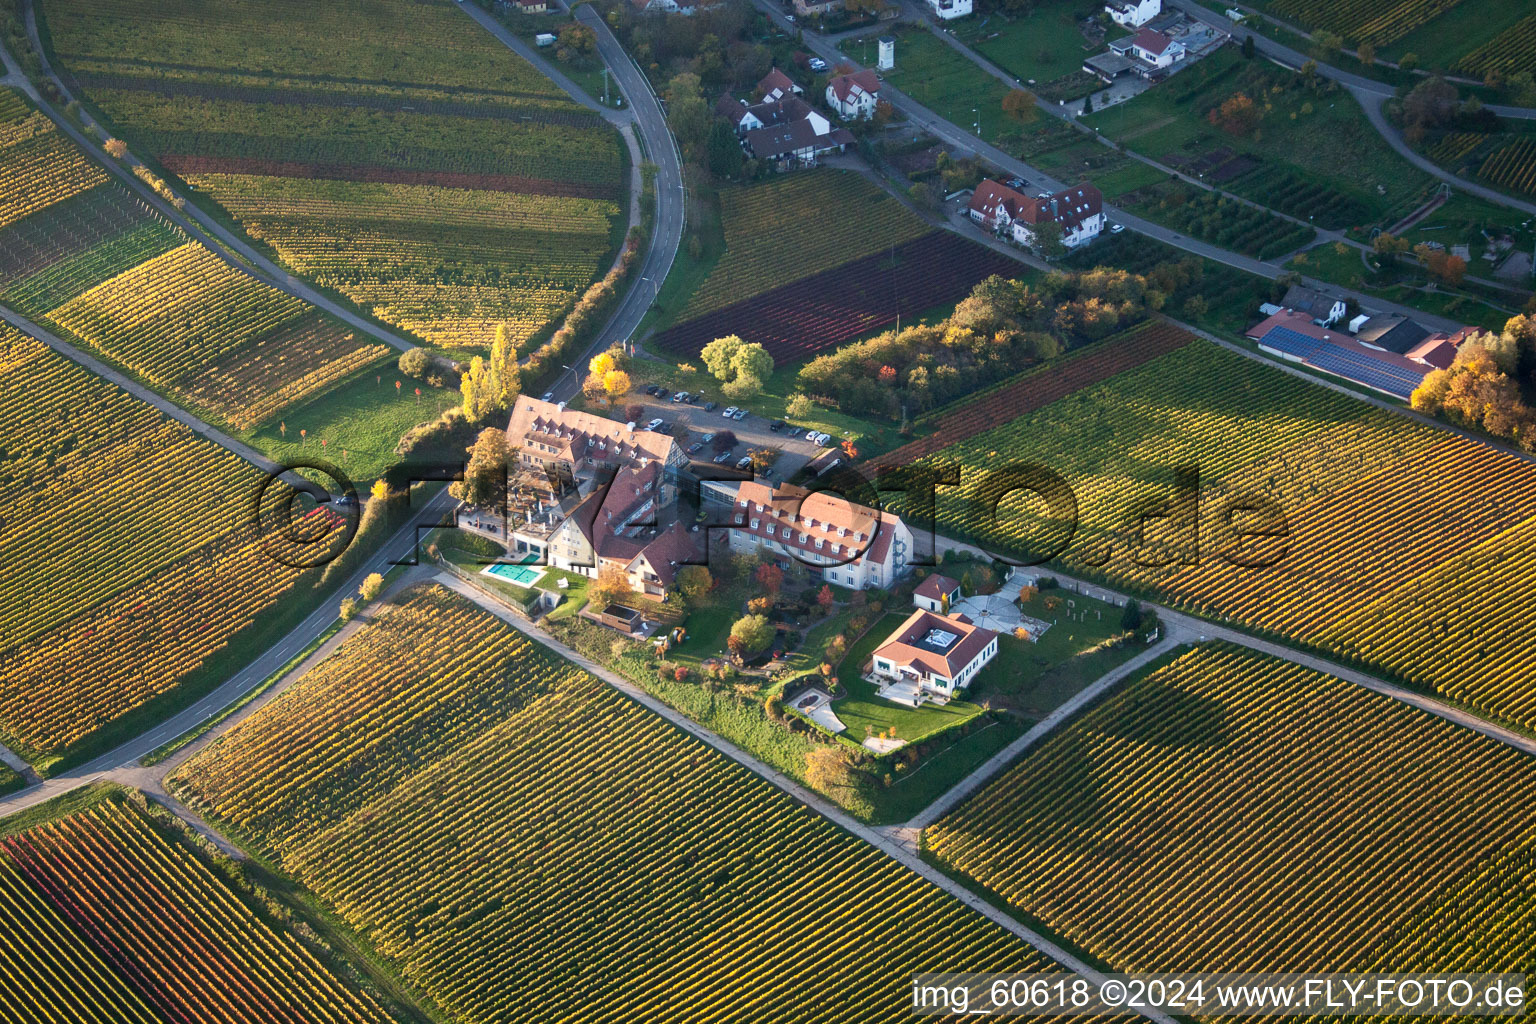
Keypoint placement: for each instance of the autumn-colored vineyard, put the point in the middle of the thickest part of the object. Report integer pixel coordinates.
(429, 174)
(130, 553)
(1399, 539)
(1513, 165)
(500, 823)
(779, 232)
(819, 313)
(1038, 388)
(213, 336)
(106, 919)
(1363, 21)
(1509, 52)
(1229, 811)
(38, 165)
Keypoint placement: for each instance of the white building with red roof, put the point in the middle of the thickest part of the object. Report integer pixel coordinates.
(1151, 48)
(937, 593)
(949, 10)
(931, 656)
(1078, 211)
(848, 544)
(776, 85)
(854, 96)
(1133, 13)
(619, 525)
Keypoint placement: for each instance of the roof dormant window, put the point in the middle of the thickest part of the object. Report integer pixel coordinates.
(755, 522)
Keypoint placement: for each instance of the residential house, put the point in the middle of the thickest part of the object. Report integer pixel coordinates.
(854, 96)
(811, 8)
(931, 656)
(776, 85)
(787, 130)
(937, 593)
(1151, 53)
(532, 6)
(1325, 310)
(1133, 13)
(949, 10)
(619, 526)
(1007, 212)
(845, 543)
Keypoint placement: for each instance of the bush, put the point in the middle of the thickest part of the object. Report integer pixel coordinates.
(415, 362)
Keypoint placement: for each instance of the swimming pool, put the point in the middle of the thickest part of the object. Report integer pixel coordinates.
(522, 575)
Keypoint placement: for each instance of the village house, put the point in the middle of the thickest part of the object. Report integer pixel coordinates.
(949, 10)
(1150, 49)
(853, 96)
(531, 6)
(622, 525)
(1324, 310)
(937, 593)
(776, 85)
(845, 543)
(931, 657)
(787, 130)
(1009, 213)
(1133, 13)
(811, 8)
(548, 435)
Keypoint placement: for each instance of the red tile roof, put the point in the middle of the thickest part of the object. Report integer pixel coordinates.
(792, 512)
(1069, 207)
(935, 587)
(842, 85)
(907, 646)
(1152, 41)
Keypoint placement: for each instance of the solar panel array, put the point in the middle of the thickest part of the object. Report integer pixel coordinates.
(1343, 362)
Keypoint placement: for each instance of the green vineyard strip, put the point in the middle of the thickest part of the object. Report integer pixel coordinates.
(1229, 811)
(525, 844)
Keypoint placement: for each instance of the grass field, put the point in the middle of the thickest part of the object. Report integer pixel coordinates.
(445, 193)
(112, 917)
(949, 84)
(863, 712)
(1393, 537)
(134, 563)
(1324, 162)
(529, 800)
(1045, 44)
(1228, 811)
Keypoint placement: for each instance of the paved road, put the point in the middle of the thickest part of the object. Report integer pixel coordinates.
(875, 837)
(961, 140)
(109, 766)
(671, 203)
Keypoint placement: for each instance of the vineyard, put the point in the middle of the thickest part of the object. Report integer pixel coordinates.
(798, 320)
(1397, 539)
(212, 336)
(131, 558)
(1510, 52)
(1378, 22)
(1036, 389)
(1298, 823)
(38, 165)
(446, 192)
(108, 920)
(779, 232)
(448, 264)
(1512, 166)
(1226, 222)
(501, 824)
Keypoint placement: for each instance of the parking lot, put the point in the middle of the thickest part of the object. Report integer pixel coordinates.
(689, 423)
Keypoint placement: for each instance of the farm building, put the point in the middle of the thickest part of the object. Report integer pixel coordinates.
(854, 96)
(1325, 310)
(1294, 337)
(931, 656)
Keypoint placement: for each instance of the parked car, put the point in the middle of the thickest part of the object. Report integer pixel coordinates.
(655, 424)
(681, 396)
(1017, 182)
(707, 437)
(662, 392)
(776, 426)
(816, 63)
(1115, 229)
(696, 447)
(654, 389)
(724, 456)
(791, 431)
(549, 396)
(693, 398)
(739, 414)
(710, 407)
(729, 413)
(745, 462)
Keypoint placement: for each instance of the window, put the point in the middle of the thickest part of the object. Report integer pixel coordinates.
(755, 523)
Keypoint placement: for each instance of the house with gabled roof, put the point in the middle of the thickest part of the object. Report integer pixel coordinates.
(936, 593)
(854, 96)
(1079, 211)
(776, 85)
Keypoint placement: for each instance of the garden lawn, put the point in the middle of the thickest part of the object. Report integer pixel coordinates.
(1036, 678)
(862, 709)
(573, 597)
(364, 418)
(912, 789)
(944, 81)
(708, 629)
(1044, 45)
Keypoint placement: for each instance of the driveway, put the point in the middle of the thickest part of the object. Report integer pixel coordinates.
(690, 422)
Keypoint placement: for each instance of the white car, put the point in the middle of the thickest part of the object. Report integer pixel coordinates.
(739, 414)
(817, 64)
(729, 412)
(658, 421)
(1115, 229)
